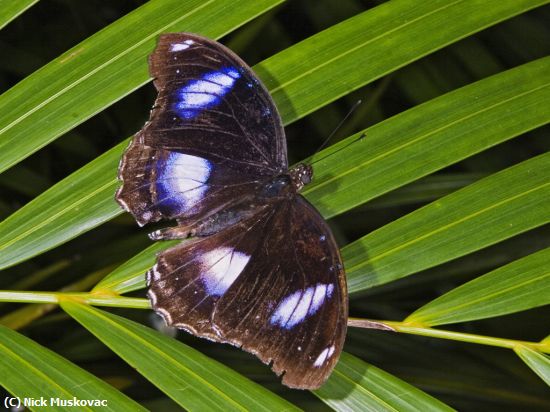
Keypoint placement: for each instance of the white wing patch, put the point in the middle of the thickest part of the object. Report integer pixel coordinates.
(220, 268)
(176, 47)
(182, 179)
(323, 356)
(204, 93)
(295, 307)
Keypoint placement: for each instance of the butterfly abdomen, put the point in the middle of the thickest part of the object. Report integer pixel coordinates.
(281, 187)
(225, 218)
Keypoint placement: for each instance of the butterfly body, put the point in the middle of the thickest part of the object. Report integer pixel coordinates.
(262, 270)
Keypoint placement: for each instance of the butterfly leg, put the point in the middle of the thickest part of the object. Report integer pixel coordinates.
(212, 224)
(169, 233)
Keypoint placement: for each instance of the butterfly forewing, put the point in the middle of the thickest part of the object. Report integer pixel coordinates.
(210, 96)
(214, 132)
(160, 183)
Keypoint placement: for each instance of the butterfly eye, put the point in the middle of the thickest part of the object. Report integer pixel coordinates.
(305, 178)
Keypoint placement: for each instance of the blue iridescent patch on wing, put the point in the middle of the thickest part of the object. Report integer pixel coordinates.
(297, 306)
(204, 93)
(181, 181)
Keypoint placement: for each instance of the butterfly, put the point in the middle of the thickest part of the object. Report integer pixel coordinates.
(261, 269)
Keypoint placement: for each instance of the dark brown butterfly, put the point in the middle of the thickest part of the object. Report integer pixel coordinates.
(262, 271)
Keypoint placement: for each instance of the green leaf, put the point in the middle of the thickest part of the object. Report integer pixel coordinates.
(520, 285)
(64, 211)
(104, 68)
(415, 143)
(130, 275)
(537, 361)
(190, 378)
(10, 9)
(424, 190)
(486, 212)
(357, 386)
(28, 370)
(358, 48)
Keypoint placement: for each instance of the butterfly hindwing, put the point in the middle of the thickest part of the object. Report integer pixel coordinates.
(189, 279)
(214, 132)
(273, 285)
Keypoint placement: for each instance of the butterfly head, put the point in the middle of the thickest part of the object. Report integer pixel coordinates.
(301, 175)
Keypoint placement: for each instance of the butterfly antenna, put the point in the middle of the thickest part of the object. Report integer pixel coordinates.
(355, 106)
(361, 136)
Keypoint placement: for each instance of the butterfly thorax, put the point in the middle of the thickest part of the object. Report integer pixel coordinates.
(286, 185)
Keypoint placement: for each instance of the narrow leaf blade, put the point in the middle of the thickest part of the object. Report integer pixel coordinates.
(453, 226)
(355, 385)
(28, 370)
(538, 362)
(10, 9)
(190, 378)
(520, 285)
